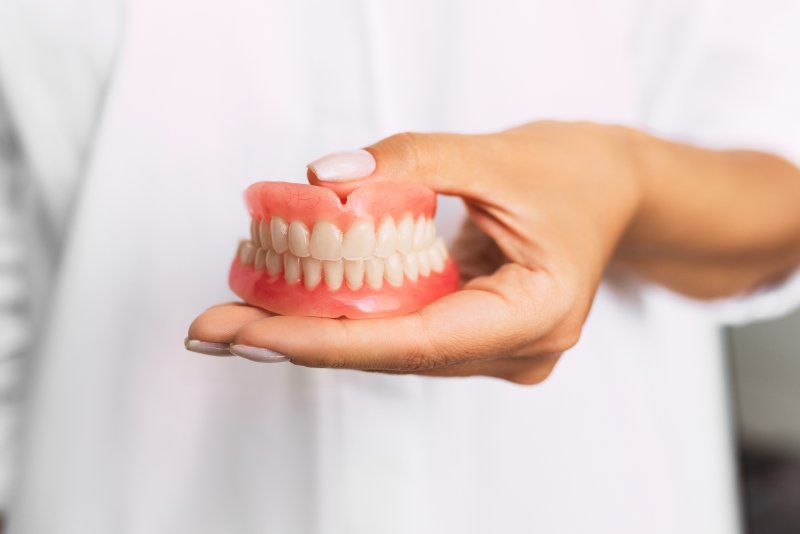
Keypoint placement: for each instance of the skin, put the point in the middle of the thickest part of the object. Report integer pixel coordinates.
(552, 205)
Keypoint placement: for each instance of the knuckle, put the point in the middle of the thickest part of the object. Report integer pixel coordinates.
(415, 149)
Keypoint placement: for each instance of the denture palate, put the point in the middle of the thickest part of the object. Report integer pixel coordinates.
(362, 254)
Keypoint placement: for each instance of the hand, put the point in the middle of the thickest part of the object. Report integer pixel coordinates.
(548, 204)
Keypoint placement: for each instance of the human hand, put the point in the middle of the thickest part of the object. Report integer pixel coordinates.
(548, 203)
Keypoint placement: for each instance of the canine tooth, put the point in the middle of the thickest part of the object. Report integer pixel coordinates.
(386, 239)
(247, 252)
(291, 268)
(430, 233)
(298, 239)
(326, 241)
(411, 267)
(359, 241)
(274, 263)
(394, 269)
(440, 247)
(265, 234)
(333, 272)
(374, 270)
(418, 239)
(405, 234)
(278, 230)
(261, 259)
(424, 263)
(354, 273)
(312, 272)
(254, 233)
(436, 260)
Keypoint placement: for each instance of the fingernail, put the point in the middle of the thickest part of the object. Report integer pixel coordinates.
(343, 166)
(205, 347)
(258, 354)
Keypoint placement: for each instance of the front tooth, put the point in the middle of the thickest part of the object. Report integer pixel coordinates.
(359, 241)
(312, 272)
(394, 269)
(430, 233)
(298, 239)
(265, 234)
(247, 252)
(278, 230)
(261, 259)
(291, 268)
(411, 267)
(405, 234)
(374, 269)
(386, 240)
(326, 241)
(441, 247)
(354, 273)
(333, 272)
(436, 260)
(418, 239)
(424, 263)
(254, 233)
(274, 263)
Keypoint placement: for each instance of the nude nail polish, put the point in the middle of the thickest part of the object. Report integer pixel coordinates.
(258, 354)
(206, 347)
(344, 166)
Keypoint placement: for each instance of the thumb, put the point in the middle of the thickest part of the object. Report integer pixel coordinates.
(446, 163)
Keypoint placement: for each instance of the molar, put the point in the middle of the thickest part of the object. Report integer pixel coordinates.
(274, 263)
(418, 238)
(254, 233)
(359, 241)
(261, 259)
(424, 263)
(386, 240)
(430, 233)
(312, 272)
(374, 269)
(278, 230)
(291, 268)
(298, 239)
(326, 241)
(440, 247)
(405, 231)
(394, 269)
(435, 259)
(354, 273)
(247, 252)
(265, 234)
(333, 272)
(411, 267)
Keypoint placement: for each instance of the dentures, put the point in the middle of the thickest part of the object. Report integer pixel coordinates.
(309, 254)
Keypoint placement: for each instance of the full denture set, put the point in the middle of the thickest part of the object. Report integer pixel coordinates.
(309, 253)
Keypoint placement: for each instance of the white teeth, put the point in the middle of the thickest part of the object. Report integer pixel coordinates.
(265, 234)
(424, 263)
(418, 238)
(359, 241)
(354, 273)
(374, 270)
(436, 260)
(430, 233)
(247, 252)
(291, 268)
(298, 239)
(405, 231)
(333, 272)
(326, 241)
(411, 267)
(254, 233)
(394, 269)
(312, 272)
(274, 263)
(261, 259)
(440, 247)
(278, 230)
(386, 240)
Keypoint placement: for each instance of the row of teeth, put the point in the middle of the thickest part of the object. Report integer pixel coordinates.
(359, 255)
(355, 273)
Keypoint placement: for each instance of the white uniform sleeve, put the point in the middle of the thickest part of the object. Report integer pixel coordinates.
(14, 323)
(726, 73)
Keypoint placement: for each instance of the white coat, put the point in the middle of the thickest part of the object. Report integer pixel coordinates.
(131, 130)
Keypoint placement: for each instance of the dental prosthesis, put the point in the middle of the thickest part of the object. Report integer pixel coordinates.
(375, 254)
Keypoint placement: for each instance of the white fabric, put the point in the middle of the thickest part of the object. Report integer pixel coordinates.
(128, 433)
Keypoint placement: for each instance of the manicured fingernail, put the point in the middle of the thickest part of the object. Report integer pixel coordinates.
(344, 166)
(258, 354)
(205, 347)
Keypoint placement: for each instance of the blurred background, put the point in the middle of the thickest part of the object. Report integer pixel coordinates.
(765, 366)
